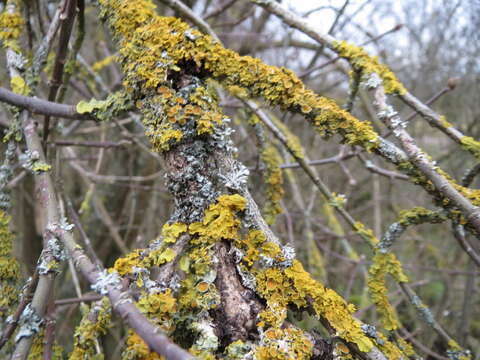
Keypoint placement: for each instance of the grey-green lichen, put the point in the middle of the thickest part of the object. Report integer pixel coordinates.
(31, 161)
(414, 216)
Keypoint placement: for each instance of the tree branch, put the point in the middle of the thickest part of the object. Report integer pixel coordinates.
(43, 107)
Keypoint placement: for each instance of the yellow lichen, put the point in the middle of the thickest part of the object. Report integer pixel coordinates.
(237, 350)
(365, 64)
(366, 234)
(95, 323)
(418, 215)
(456, 352)
(218, 221)
(99, 65)
(391, 351)
(293, 142)
(383, 264)
(171, 232)
(124, 265)
(84, 107)
(341, 351)
(11, 25)
(274, 181)
(159, 307)
(164, 138)
(471, 145)
(444, 122)
(292, 285)
(155, 49)
(9, 268)
(284, 344)
(208, 114)
(295, 286)
(19, 85)
(160, 257)
(40, 167)
(151, 46)
(406, 347)
(105, 109)
(38, 346)
(137, 349)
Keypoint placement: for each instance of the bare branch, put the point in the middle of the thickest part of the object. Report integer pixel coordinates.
(42, 107)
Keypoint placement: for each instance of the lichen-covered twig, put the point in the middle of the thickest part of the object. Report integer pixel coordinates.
(408, 218)
(102, 282)
(192, 134)
(382, 264)
(25, 299)
(362, 62)
(393, 121)
(31, 318)
(358, 58)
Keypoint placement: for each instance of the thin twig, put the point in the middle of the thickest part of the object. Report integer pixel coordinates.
(43, 107)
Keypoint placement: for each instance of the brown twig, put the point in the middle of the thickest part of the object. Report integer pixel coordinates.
(222, 8)
(92, 144)
(67, 18)
(49, 337)
(85, 298)
(43, 107)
